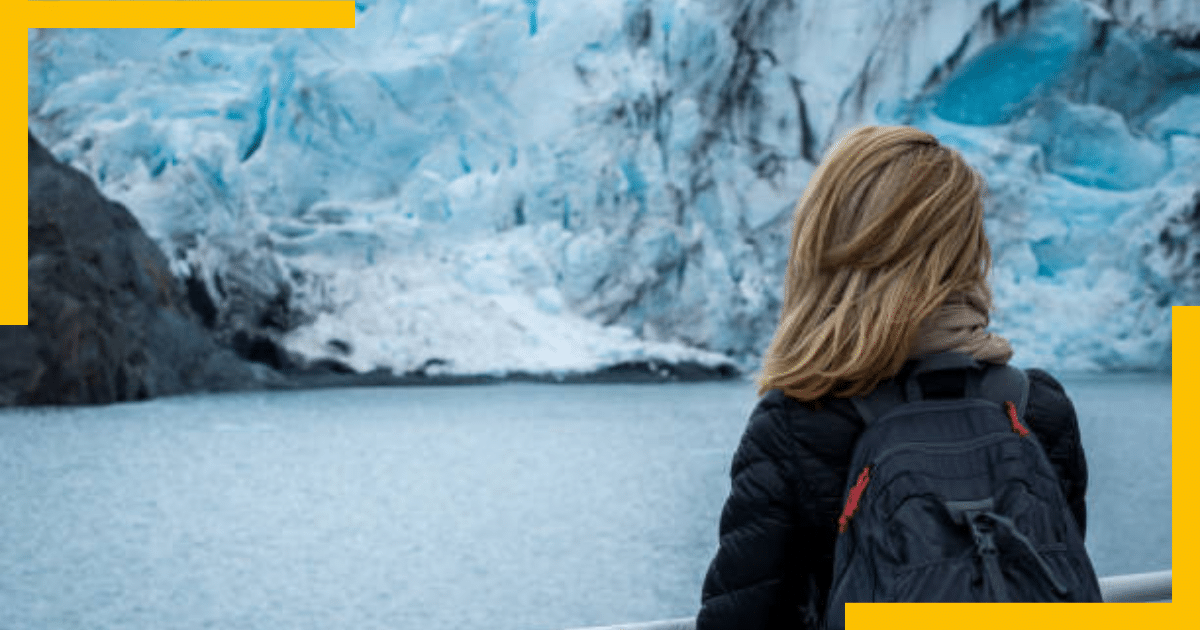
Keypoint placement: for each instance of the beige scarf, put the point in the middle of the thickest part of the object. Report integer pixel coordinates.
(960, 325)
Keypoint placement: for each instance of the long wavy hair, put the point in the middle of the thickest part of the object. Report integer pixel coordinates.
(889, 227)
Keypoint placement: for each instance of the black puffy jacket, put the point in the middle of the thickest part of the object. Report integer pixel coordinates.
(775, 561)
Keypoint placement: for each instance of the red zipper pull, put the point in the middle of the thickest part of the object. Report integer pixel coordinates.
(853, 498)
(1017, 427)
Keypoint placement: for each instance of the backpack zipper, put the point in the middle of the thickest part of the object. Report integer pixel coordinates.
(941, 448)
(854, 496)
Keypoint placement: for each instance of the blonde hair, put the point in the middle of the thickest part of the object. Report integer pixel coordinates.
(889, 227)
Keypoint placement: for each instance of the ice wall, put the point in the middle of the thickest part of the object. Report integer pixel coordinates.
(492, 185)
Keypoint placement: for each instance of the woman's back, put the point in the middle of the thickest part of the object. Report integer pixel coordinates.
(789, 474)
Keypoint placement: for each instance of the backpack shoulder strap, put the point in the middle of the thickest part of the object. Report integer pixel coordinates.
(1006, 383)
(999, 383)
(871, 406)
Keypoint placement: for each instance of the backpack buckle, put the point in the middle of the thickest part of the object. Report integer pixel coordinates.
(964, 512)
(972, 514)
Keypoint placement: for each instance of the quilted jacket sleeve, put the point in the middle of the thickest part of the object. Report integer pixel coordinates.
(1052, 418)
(745, 582)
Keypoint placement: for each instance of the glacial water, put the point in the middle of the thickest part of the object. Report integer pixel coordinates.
(533, 507)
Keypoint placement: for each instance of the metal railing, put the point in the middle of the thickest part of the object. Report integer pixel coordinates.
(1136, 587)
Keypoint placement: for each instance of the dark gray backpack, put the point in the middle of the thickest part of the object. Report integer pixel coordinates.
(954, 499)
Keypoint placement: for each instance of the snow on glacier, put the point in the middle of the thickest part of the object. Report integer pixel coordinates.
(495, 185)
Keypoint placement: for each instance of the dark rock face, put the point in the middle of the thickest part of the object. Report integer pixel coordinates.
(107, 319)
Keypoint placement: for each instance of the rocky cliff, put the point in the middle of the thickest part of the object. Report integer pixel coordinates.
(107, 320)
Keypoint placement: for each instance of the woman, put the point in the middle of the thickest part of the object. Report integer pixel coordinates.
(888, 261)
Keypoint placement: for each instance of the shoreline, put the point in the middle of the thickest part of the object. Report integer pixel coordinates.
(627, 372)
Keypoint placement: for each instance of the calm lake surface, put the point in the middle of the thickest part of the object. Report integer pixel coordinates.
(521, 506)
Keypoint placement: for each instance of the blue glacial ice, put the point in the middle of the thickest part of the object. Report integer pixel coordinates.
(498, 185)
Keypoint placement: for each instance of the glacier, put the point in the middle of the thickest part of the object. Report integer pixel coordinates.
(499, 186)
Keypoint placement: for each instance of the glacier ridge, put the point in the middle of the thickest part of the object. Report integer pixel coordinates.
(490, 186)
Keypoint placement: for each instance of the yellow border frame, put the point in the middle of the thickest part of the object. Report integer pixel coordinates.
(340, 14)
